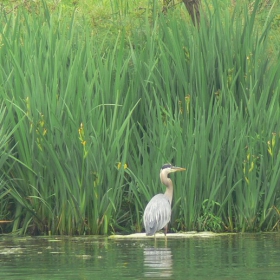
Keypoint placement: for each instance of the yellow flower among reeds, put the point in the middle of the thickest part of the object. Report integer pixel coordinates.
(120, 165)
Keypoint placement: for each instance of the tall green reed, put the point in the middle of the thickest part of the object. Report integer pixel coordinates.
(210, 96)
(75, 130)
(99, 118)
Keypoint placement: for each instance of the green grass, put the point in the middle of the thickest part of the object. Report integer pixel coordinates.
(88, 118)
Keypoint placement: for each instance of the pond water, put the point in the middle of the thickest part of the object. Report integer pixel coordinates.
(240, 256)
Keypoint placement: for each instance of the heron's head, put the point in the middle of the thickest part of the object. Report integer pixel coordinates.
(169, 168)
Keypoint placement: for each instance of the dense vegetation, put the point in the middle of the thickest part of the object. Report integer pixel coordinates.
(89, 113)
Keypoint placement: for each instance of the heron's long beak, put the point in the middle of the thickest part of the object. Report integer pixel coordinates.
(176, 168)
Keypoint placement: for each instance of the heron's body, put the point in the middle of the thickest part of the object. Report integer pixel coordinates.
(157, 213)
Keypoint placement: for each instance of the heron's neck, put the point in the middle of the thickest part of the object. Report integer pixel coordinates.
(169, 188)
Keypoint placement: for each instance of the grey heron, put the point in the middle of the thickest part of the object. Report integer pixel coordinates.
(157, 213)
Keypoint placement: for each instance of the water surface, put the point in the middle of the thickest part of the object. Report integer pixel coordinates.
(240, 256)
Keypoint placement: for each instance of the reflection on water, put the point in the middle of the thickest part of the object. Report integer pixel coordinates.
(157, 262)
(232, 257)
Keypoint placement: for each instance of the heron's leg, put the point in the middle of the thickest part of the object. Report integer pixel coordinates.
(165, 230)
(165, 237)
